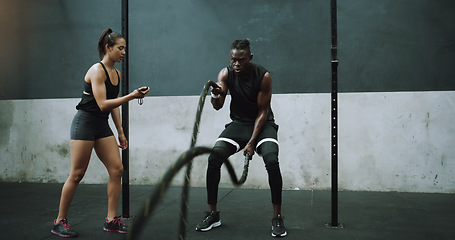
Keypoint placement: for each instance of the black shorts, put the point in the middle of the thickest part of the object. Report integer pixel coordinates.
(88, 126)
(238, 134)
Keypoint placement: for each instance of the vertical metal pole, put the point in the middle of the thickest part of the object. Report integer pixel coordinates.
(334, 115)
(125, 117)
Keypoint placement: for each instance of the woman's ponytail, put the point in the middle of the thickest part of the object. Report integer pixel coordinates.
(108, 37)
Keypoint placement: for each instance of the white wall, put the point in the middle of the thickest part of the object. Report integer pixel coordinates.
(387, 141)
(398, 141)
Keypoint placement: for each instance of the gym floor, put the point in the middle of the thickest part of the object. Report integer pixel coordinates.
(27, 211)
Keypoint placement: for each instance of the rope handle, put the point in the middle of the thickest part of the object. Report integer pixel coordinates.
(246, 164)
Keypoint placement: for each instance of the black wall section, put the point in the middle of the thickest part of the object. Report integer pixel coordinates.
(396, 45)
(176, 46)
(48, 45)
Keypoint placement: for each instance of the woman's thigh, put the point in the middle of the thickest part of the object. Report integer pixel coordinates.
(108, 152)
(80, 156)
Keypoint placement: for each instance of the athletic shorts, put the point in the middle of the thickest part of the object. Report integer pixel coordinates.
(87, 126)
(238, 134)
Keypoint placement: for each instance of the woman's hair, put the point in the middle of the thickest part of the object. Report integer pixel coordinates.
(241, 45)
(108, 37)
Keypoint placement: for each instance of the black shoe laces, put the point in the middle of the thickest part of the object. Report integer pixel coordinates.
(278, 221)
(208, 216)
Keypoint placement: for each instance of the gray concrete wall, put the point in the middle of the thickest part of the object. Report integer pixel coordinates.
(399, 137)
(399, 141)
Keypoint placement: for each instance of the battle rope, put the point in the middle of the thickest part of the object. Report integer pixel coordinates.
(139, 220)
(246, 164)
(189, 166)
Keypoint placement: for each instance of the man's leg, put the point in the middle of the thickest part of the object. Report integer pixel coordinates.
(223, 151)
(269, 151)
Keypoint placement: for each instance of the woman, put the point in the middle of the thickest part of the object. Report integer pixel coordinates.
(90, 130)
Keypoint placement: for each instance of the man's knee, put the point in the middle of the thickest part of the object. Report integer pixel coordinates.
(271, 161)
(221, 151)
(269, 152)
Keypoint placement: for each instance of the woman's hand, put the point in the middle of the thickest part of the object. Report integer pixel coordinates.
(122, 140)
(140, 92)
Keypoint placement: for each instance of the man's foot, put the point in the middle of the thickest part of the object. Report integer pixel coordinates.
(63, 229)
(211, 220)
(116, 225)
(278, 229)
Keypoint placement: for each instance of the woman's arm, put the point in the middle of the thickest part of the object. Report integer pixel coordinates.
(96, 77)
(123, 142)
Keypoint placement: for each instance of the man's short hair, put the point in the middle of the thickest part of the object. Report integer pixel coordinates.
(241, 45)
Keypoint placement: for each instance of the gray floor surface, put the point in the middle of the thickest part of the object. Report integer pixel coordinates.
(27, 211)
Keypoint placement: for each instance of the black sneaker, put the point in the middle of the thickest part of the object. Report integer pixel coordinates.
(210, 221)
(116, 225)
(63, 229)
(278, 229)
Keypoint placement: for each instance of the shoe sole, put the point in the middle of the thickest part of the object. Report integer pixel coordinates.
(281, 235)
(61, 235)
(109, 230)
(213, 225)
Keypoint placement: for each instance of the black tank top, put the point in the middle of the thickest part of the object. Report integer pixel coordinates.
(88, 102)
(244, 95)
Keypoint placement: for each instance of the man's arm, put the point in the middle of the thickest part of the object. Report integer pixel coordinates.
(264, 98)
(219, 93)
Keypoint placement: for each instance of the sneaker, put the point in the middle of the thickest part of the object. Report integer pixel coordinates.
(278, 229)
(116, 225)
(63, 229)
(210, 221)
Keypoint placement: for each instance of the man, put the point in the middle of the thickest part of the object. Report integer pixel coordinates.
(252, 129)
